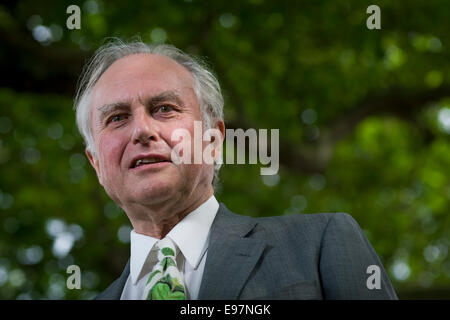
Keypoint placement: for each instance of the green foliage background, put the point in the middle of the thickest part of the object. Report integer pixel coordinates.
(364, 119)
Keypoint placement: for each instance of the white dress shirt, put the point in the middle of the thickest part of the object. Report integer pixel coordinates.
(191, 235)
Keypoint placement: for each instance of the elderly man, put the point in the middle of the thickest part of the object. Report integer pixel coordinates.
(185, 245)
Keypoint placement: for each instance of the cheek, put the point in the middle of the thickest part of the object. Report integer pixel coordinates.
(192, 144)
(173, 131)
(111, 151)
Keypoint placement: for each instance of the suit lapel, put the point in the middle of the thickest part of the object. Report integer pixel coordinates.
(231, 256)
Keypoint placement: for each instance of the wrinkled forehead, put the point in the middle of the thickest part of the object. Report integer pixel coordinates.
(140, 75)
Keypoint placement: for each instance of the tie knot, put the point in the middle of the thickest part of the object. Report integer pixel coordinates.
(165, 281)
(167, 248)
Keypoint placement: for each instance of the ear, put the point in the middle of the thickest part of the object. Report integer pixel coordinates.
(219, 125)
(94, 163)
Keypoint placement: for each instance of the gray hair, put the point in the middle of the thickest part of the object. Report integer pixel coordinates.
(206, 85)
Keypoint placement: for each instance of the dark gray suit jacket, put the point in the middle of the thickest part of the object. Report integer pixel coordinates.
(305, 256)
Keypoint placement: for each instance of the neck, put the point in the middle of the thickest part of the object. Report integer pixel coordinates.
(157, 220)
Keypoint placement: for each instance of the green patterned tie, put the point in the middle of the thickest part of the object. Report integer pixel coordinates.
(165, 281)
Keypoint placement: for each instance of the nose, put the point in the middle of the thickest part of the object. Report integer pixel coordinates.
(145, 128)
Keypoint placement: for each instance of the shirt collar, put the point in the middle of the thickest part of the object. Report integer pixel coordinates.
(190, 235)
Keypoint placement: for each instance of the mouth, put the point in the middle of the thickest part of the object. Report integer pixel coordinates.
(148, 161)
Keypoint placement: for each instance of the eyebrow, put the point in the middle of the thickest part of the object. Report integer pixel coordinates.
(112, 107)
(166, 96)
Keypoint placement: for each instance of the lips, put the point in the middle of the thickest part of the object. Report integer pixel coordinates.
(147, 159)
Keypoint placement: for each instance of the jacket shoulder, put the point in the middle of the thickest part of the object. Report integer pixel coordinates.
(114, 291)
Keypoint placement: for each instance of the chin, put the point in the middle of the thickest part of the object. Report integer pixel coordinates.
(154, 192)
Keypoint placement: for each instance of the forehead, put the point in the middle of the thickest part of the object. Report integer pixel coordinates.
(138, 76)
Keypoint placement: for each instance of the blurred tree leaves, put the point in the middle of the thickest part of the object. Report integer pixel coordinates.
(363, 117)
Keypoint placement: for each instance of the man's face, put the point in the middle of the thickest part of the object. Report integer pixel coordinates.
(136, 105)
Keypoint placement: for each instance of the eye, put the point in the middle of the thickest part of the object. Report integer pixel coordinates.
(117, 117)
(166, 108)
